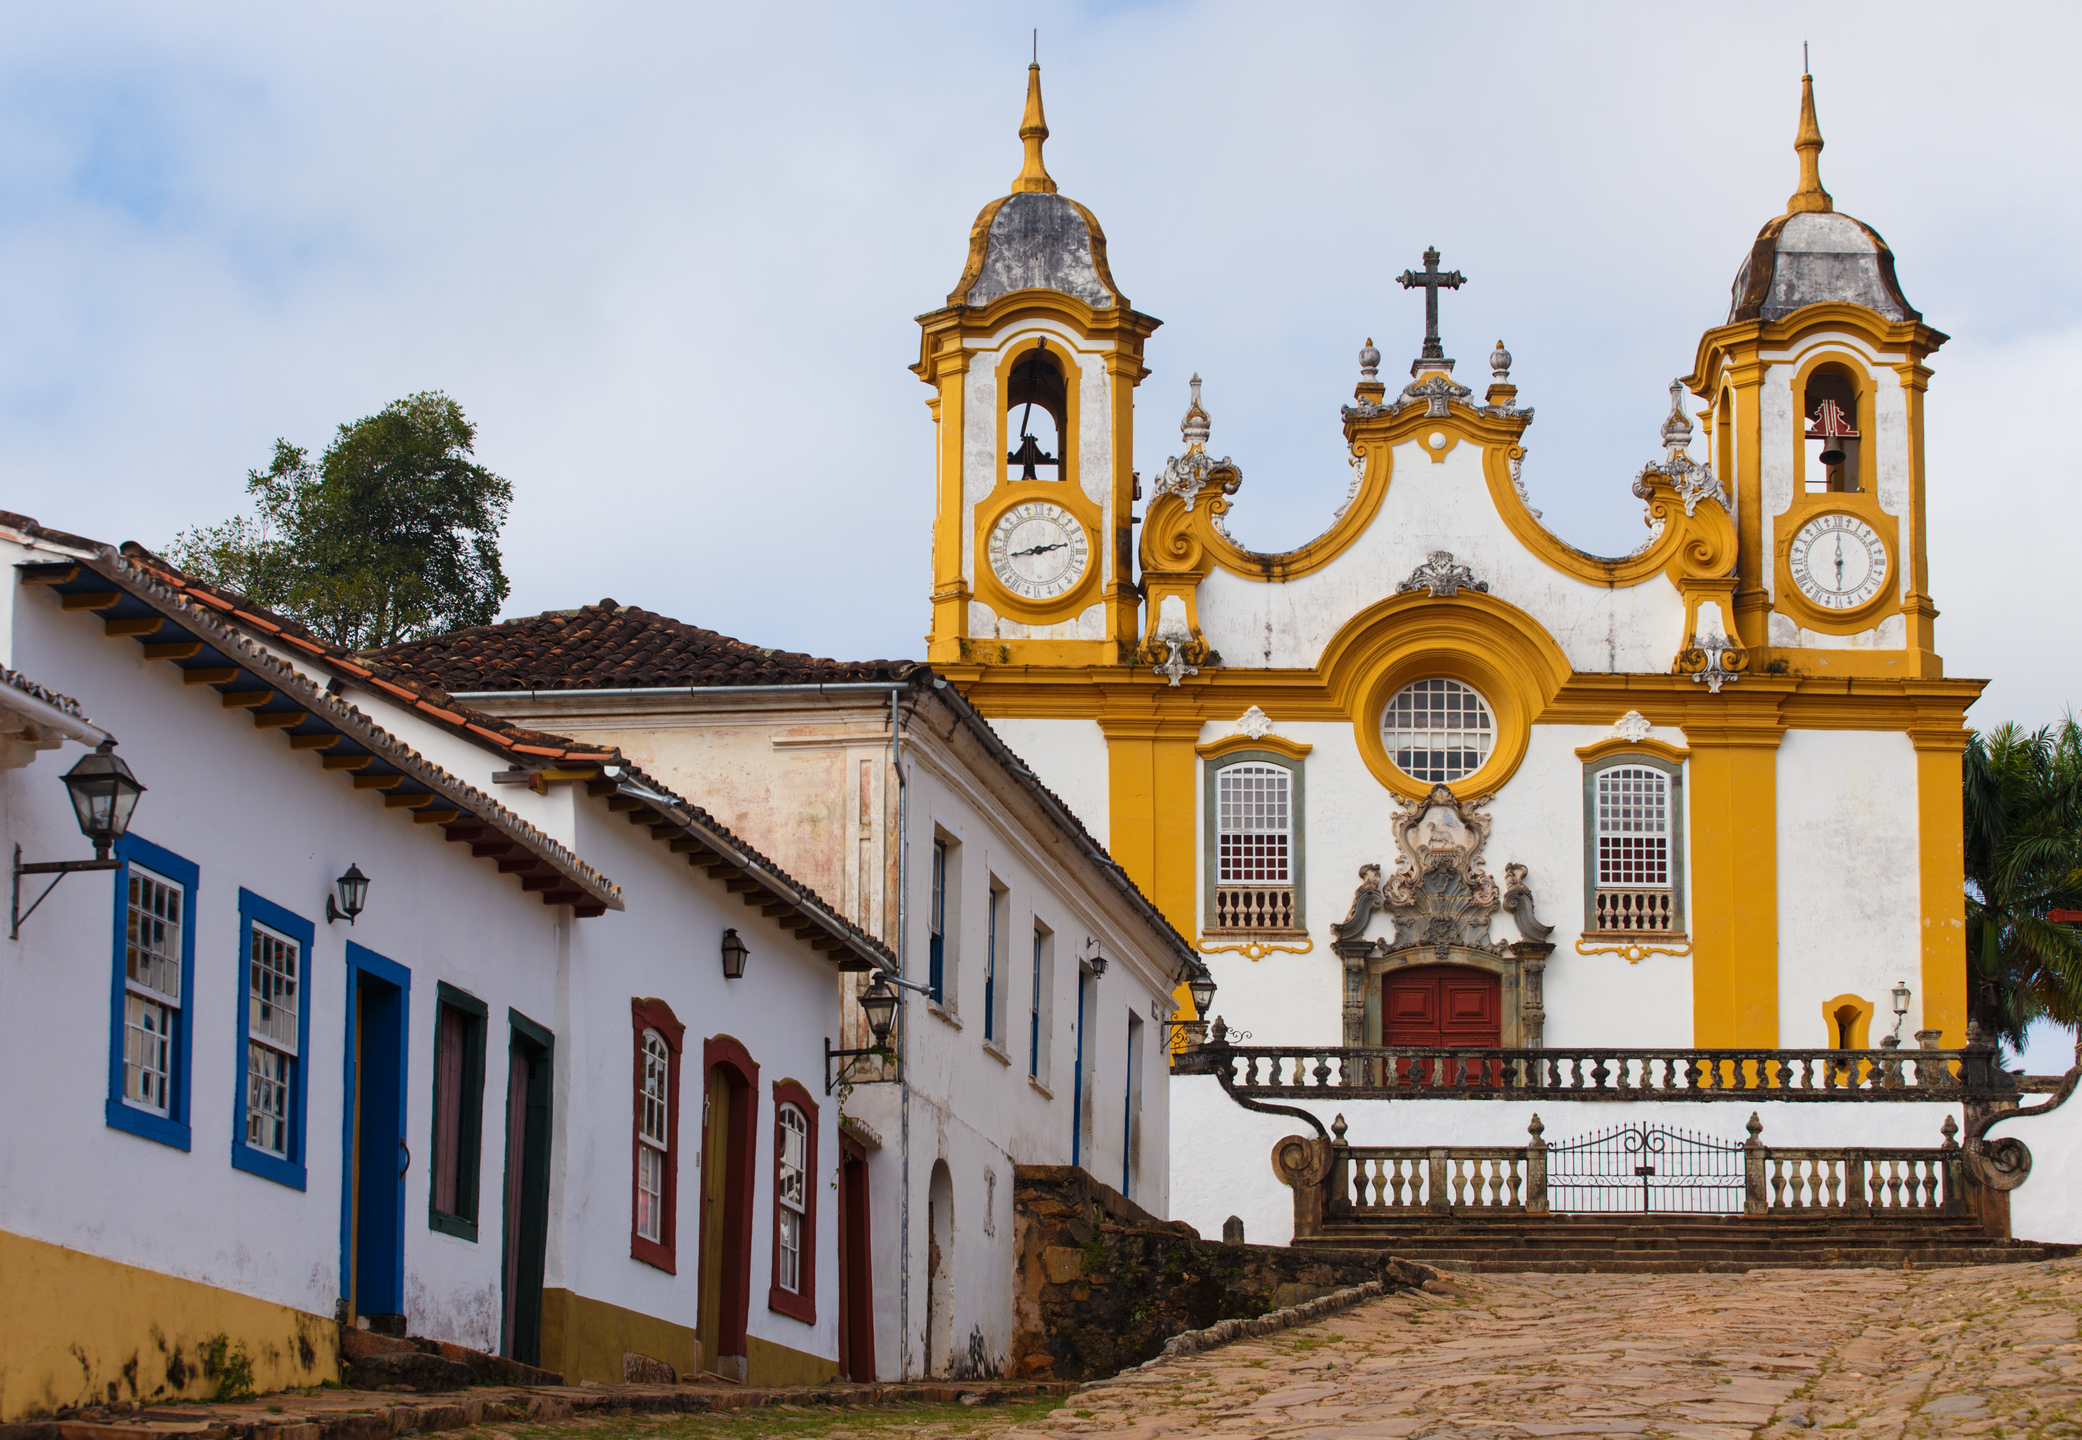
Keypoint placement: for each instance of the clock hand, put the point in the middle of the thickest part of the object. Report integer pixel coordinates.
(1839, 560)
(1039, 549)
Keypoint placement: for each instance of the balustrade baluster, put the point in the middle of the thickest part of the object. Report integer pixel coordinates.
(1517, 1179)
(1778, 1183)
(1322, 1071)
(1894, 1184)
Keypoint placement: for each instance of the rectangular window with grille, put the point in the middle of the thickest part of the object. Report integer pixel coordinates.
(1633, 827)
(274, 1034)
(1633, 822)
(654, 1178)
(1253, 844)
(1253, 823)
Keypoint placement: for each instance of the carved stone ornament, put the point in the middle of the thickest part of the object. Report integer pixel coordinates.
(1712, 660)
(1442, 577)
(1187, 475)
(1174, 666)
(1693, 482)
(1518, 900)
(1632, 727)
(1434, 393)
(1439, 894)
(1516, 456)
(1255, 723)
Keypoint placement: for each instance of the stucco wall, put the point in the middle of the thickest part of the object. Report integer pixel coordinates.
(1442, 505)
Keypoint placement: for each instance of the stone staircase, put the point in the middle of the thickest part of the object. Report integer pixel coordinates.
(1579, 1244)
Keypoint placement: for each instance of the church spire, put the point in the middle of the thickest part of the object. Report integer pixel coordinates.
(1033, 130)
(1810, 196)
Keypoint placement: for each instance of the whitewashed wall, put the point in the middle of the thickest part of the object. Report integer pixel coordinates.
(976, 1108)
(248, 812)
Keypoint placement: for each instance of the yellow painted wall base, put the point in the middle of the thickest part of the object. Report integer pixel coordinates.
(76, 1329)
(586, 1339)
(768, 1363)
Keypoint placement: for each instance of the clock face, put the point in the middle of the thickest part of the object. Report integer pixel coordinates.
(1038, 550)
(1838, 561)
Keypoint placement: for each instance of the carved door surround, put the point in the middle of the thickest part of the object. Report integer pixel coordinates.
(1441, 901)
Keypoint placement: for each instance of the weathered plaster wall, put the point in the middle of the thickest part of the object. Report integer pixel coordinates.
(1070, 758)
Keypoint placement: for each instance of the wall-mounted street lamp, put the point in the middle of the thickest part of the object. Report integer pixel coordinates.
(1901, 1004)
(878, 1004)
(1096, 961)
(353, 888)
(734, 956)
(1200, 985)
(103, 794)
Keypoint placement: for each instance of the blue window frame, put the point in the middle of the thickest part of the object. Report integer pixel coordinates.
(151, 996)
(274, 1038)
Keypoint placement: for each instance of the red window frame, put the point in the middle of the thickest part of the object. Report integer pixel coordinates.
(802, 1304)
(656, 1015)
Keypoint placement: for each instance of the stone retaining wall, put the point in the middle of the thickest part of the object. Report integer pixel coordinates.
(1103, 1284)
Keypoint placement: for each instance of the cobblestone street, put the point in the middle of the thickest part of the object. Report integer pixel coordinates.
(1990, 1350)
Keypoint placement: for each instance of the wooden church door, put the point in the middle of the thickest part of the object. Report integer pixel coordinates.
(1435, 1006)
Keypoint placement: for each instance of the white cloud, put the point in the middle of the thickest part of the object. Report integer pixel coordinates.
(668, 257)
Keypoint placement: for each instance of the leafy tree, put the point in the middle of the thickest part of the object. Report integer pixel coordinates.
(392, 535)
(2023, 801)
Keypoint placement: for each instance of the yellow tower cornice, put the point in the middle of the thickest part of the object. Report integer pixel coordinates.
(1810, 197)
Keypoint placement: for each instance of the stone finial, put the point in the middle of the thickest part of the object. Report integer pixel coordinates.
(1369, 360)
(1677, 428)
(1534, 1128)
(1808, 142)
(1500, 363)
(1195, 427)
(1755, 1128)
(1232, 1230)
(1950, 1130)
(1033, 133)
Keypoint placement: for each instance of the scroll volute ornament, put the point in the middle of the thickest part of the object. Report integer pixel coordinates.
(1301, 1162)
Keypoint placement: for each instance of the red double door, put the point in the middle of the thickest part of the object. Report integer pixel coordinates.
(1440, 1007)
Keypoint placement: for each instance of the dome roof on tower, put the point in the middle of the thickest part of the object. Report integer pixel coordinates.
(1811, 254)
(1035, 238)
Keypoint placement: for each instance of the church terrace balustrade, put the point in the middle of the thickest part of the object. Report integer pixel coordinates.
(1253, 909)
(1285, 1072)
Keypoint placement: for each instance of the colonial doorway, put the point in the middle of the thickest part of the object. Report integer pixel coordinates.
(856, 1274)
(373, 1263)
(530, 1088)
(1442, 1005)
(731, 1101)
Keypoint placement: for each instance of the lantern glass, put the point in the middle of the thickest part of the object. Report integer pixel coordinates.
(354, 891)
(734, 955)
(878, 1003)
(1901, 998)
(104, 793)
(1202, 988)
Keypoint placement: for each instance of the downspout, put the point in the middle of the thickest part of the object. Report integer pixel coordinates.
(903, 1072)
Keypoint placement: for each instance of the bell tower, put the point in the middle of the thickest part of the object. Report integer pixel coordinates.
(1814, 389)
(1033, 363)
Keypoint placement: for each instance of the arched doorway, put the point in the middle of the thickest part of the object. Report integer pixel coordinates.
(939, 1272)
(1442, 1005)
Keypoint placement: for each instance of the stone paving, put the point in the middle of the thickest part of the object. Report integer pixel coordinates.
(1989, 1350)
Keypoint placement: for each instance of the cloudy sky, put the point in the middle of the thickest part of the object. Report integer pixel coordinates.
(668, 256)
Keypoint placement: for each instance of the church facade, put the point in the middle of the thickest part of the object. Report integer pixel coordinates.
(1437, 777)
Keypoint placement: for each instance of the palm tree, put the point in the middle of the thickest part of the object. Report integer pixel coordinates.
(2023, 802)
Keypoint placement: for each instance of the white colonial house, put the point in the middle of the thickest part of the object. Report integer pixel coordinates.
(383, 1014)
(1042, 978)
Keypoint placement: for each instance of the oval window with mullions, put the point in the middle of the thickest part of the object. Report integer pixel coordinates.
(1438, 731)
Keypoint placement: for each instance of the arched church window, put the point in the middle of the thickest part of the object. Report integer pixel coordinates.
(1037, 405)
(1830, 404)
(1633, 819)
(1438, 731)
(1254, 843)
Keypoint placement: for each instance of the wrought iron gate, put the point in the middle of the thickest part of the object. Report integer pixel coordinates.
(1645, 1169)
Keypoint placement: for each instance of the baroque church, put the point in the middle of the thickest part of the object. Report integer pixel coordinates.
(1437, 777)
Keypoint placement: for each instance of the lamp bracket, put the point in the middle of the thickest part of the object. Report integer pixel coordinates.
(843, 1075)
(58, 868)
(334, 912)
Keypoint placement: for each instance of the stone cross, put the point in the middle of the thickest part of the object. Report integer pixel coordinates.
(1433, 280)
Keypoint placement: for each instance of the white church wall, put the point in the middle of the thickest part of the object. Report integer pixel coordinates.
(1070, 757)
(2048, 1205)
(1438, 505)
(1849, 897)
